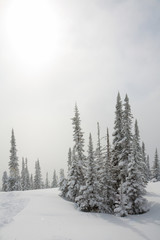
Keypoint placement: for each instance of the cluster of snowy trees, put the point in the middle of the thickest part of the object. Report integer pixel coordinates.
(17, 181)
(109, 178)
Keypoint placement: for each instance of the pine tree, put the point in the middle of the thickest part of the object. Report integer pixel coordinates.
(5, 182)
(23, 175)
(87, 199)
(73, 184)
(37, 176)
(31, 182)
(120, 209)
(108, 191)
(134, 186)
(148, 169)
(144, 164)
(117, 150)
(124, 156)
(156, 167)
(126, 140)
(27, 178)
(138, 155)
(69, 158)
(99, 159)
(108, 154)
(55, 181)
(77, 168)
(79, 145)
(61, 177)
(47, 181)
(14, 178)
(62, 183)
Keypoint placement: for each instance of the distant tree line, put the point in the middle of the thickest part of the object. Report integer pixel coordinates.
(110, 178)
(16, 181)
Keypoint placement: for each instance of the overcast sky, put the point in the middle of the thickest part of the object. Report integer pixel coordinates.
(55, 53)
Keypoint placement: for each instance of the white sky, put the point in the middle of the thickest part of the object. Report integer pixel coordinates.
(55, 53)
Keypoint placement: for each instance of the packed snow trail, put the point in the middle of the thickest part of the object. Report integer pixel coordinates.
(43, 215)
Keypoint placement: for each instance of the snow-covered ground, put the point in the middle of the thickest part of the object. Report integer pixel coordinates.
(43, 215)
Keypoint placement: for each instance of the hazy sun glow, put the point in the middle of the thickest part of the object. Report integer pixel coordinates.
(33, 33)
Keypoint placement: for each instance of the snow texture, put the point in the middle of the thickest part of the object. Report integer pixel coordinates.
(43, 215)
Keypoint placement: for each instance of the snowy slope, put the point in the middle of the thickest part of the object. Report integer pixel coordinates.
(43, 215)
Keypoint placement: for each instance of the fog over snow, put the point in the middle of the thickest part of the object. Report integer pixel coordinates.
(55, 53)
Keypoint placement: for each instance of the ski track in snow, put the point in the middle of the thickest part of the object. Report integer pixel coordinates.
(43, 215)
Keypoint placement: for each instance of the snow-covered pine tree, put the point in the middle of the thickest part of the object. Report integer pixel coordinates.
(156, 167)
(37, 176)
(88, 198)
(108, 192)
(138, 155)
(62, 183)
(126, 141)
(126, 146)
(5, 182)
(78, 146)
(27, 178)
(47, 181)
(77, 168)
(108, 154)
(55, 181)
(99, 158)
(117, 149)
(144, 164)
(120, 209)
(148, 169)
(61, 177)
(69, 158)
(23, 175)
(134, 185)
(99, 162)
(31, 182)
(73, 186)
(14, 178)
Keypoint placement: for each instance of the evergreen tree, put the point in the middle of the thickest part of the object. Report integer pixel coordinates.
(134, 186)
(138, 155)
(55, 181)
(73, 187)
(118, 137)
(124, 155)
(108, 155)
(14, 178)
(79, 145)
(37, 176)
(148, 169)
(120, 209)
(5, 182)
(108, 191)
(144, 164)
(99, 160)
(27, 178)
(77, 168)
(156, 167)
(87, 199)
(126, 140)
(62, 183)
(69, 158)
(47, 181)
(61, 177)
(23, 175)
(108, 180)
(31, 182)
